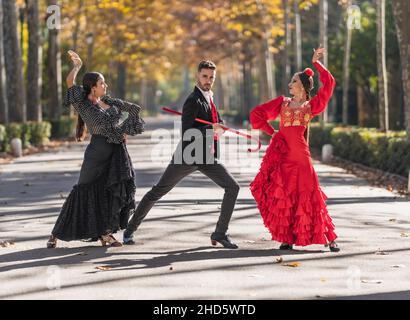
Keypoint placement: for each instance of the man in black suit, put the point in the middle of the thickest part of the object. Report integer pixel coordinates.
(198, 150)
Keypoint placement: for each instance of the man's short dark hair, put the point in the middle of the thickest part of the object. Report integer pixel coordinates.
(206, 64)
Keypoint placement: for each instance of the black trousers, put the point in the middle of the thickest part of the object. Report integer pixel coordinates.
(173, 174)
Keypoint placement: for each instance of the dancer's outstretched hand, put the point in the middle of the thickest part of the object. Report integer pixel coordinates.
(318, 53)
(218, 129)
(75, 58)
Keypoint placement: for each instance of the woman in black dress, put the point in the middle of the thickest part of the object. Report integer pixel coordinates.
(100, 203)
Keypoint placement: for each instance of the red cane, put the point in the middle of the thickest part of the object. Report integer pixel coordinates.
(224, 127)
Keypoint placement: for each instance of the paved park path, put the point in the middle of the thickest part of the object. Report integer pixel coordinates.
(173, 258)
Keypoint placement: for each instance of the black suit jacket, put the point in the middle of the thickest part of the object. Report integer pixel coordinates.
(196, 106)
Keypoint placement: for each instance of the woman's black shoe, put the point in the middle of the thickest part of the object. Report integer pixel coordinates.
(285, 246)
(334, 247)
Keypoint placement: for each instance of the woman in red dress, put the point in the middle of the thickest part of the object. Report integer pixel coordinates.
(286, 188)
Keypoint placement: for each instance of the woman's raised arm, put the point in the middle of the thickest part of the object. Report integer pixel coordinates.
(77, 66)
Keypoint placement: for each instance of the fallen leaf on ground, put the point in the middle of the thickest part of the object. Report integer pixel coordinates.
(279, 260)
(323, 280)
(103, 268)
(398, 266)
(404, 235)
(393, 220)
(372, 281)
(292, 264)
(6, 244)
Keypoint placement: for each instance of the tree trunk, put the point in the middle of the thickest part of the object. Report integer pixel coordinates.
(263, 92)
(401, 10)
(364, 109)
(287, 71)
(396, 116)
(269, 71)
(267, 85)
(14, 64)
(21, 16)
(381, 67)
(187, 87)
(346, 74)
(226, 92)
(152, 97)
(144, 93)
(77, 25)
(220, 92)
(237, 86)
(323, 24)
(4, 110)
(34, 111)
(247, 81)
(121, 80)
(298, 36)
(54, 71)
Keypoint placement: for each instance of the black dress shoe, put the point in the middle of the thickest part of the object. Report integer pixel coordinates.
(224, 240)
(128, 242)
(334, 247)
(285, 246)
(128, 239)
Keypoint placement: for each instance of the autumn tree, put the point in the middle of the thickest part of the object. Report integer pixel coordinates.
(16, 96)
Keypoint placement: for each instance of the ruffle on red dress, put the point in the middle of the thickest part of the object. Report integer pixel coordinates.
(292, 215)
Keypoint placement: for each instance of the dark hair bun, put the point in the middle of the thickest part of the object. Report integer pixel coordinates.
(309, 72)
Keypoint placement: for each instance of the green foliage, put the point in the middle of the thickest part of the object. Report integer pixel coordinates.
(319, 136)
(3, 139)
(30, 133)
(387, 152)
(14, 130)
(40, 133)
(26, 131)
(63, 128)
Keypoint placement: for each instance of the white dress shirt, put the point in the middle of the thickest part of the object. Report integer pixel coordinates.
(208, 95)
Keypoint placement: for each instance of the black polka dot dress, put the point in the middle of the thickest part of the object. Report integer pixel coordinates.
(103, 198)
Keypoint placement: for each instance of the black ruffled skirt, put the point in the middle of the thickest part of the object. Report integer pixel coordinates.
(102, 200)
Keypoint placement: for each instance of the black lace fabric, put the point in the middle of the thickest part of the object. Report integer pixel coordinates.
(92, 209)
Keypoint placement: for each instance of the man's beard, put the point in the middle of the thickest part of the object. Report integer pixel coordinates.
(205, 88)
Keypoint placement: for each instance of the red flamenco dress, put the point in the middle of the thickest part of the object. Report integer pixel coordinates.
(286, 188)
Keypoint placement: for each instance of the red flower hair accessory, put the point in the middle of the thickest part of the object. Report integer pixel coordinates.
(309, 72)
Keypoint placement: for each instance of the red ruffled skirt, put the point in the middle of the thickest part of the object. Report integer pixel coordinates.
(288, 194)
